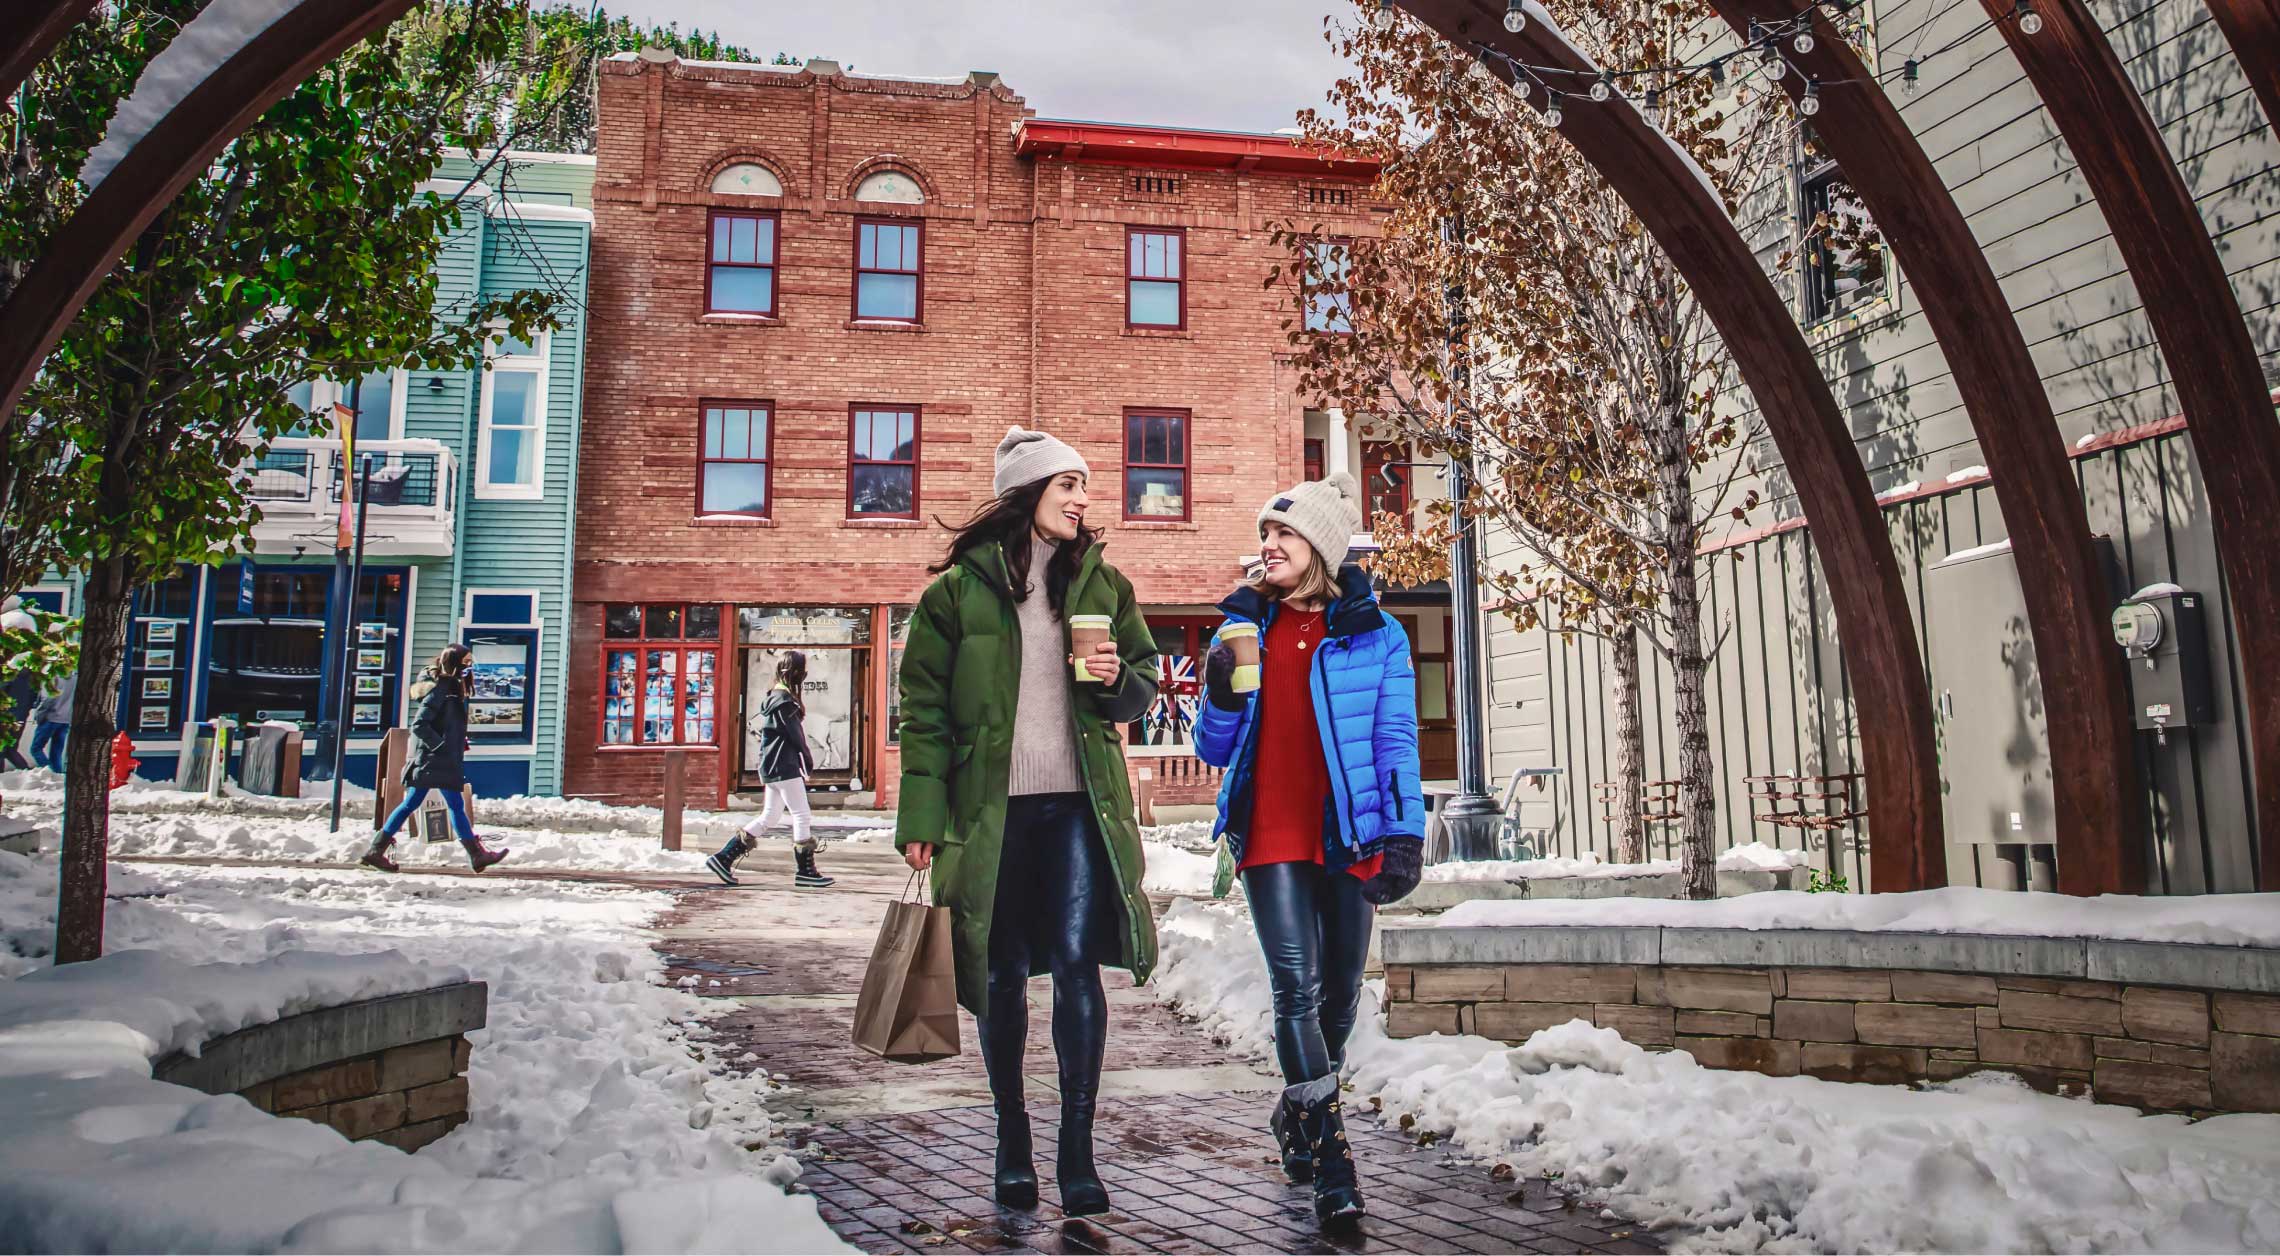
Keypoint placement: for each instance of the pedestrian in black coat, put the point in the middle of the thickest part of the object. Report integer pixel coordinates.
(438, 759)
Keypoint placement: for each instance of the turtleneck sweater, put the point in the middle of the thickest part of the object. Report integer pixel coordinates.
(1044, 733)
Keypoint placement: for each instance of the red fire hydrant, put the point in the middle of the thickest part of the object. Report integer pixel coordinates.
(123, 760)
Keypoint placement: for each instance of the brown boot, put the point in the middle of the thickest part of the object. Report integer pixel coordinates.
(376, 855)
(480, 858)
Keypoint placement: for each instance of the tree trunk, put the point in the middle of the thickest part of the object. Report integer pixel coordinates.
(87, 781)
(1630, 751)
(1697, 799)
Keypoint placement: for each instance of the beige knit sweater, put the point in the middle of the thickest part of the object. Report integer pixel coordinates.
(1044, 746)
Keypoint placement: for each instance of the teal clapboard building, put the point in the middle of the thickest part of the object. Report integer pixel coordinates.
(468, 529)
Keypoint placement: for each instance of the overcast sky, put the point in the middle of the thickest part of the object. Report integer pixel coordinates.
(1241, 65)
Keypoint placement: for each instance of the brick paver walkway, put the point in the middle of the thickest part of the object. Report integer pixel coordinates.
(899, 1156)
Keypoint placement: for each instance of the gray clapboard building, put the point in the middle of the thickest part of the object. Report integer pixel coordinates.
(1780, 702)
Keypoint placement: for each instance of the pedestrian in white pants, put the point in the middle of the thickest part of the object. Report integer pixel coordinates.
(784, 765)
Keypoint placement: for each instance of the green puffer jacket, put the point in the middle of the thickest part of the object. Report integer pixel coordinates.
(961, 671)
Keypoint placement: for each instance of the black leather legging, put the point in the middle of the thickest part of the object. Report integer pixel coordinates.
(1055, 911)
(1314, 926)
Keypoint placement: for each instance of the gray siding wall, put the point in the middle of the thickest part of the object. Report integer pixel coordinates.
(1779, 698)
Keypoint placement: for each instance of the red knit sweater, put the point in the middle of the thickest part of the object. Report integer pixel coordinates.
(1290, 783)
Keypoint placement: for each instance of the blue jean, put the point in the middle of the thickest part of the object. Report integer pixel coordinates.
(47, 745)
(411, 803)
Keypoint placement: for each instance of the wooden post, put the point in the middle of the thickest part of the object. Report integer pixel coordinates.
(388, 774)
(289, 766)
(676, 763)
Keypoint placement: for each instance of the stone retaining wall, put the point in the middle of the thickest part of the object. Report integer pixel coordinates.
(389, 1069)
(2164, 1047)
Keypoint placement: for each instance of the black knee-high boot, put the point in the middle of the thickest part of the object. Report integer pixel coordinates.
(1314, 1110)
(1080, 1040)
(1005, 1036)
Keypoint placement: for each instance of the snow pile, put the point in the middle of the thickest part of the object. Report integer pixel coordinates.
(1173, 870)
(1751, 1163)
(1753, 857)
(147, 1005)
(2214, 919)
(597, 1124)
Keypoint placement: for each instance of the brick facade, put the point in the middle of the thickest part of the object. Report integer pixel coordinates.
(1022, 321)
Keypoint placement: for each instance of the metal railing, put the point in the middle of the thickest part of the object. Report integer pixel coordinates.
(300, 481)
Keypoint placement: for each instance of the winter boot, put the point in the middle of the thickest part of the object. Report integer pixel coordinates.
(807, 878)
(480, 858)
(1082, 1194)
(1297, 1161)
(1316, 1113)
(376, 855)
(722, 863)
(1016, 1169)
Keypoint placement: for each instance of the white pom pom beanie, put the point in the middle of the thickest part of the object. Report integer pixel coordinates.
(1327, 512)
(1025, 457)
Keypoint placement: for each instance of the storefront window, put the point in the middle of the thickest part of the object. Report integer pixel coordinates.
(271, 663)
(804, 625)
(1170, 720)
(656, 690)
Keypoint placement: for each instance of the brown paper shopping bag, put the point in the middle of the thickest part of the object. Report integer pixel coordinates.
(908, 1009)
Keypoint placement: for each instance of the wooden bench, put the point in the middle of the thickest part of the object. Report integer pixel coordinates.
(1171, 780)
(1815, 803)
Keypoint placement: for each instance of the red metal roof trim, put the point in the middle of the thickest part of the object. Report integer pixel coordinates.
(1115, 143)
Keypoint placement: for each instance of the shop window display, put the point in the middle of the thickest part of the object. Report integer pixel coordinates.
(660, 674)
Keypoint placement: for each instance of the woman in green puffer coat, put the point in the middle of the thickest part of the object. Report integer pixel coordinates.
(1014, 793)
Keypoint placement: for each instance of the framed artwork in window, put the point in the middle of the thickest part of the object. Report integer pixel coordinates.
(371, 686)
(158, 687)
(159, 660)
(160, 630)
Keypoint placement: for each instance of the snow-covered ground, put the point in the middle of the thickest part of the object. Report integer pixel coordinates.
(2218, 919)
(1739, 1162)
(1750, 857)
(601, 1121)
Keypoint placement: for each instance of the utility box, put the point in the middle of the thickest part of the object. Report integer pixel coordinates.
(1994, 736)
(2164, 631)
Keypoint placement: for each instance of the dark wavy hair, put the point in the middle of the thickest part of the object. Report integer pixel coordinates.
(1006, 519)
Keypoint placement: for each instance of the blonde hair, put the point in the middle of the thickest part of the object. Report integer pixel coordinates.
(1319, 584)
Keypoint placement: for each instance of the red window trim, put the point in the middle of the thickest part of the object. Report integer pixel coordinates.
(855, 286)
(1181, 280)
(775, 287)
(768, 463)
(640, 647)
(917, 441)
(1186, 463)
(1373, 485)
(1311, 462)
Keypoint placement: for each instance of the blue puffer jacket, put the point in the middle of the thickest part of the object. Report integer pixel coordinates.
(1365, 704)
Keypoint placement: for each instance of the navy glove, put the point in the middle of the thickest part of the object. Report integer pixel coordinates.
(1398, 873)
(1219, 677)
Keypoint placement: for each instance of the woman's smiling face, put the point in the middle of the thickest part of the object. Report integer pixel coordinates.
(1061, 508)
(1286, 554)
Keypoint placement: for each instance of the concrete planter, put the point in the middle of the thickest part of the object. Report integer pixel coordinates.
(1436, 896)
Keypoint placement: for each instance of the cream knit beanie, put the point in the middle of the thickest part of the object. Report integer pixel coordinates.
(1327, 512)
(1025, 457)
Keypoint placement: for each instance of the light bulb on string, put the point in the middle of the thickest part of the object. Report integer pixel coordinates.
(1774, 65)
(1604, 88)
(1383, 18)
(1803, 43)
(1552, 115)
(1515, 16)
(2030, 22)
(1651, 109)
(1521, 87)
(1718, 74)
(1911, 71)
(1810, 103)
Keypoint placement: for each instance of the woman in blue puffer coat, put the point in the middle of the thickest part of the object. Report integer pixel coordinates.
(1321, 804)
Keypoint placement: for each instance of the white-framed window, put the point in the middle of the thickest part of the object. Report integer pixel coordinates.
(510, 441)
(378, 398)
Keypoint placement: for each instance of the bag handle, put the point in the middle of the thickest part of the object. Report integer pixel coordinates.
(923, 887)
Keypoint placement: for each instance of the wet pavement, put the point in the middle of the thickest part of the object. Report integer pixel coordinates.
(899, 1156)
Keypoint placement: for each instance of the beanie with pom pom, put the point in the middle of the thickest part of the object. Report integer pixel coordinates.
(1327, 512)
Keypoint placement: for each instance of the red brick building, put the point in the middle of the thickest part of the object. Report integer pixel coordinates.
(818, 301)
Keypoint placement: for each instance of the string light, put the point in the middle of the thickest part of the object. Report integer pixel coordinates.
(1803, 43)
(1521, 87)
(1774, 65)
(2030, 22)
(1652, 110)
(1911, 72)
(1552, 115)
(1810, 103)
(1383, 18)
(1604, 88)
(1515, 16)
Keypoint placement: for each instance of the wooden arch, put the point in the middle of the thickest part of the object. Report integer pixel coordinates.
(156, 169)
(2252, 27)
(36, 28)
(2187, 298)
(2100, 810)
(1906, 842)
